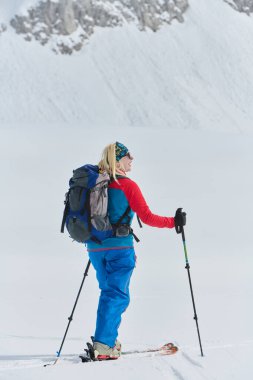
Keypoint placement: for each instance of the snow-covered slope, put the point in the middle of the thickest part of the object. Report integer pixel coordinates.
(195, 74)
(41, 270)
(167, 96)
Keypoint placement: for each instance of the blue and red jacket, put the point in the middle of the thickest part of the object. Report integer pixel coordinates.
(122, 194)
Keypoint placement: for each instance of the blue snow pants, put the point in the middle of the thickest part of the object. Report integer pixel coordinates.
(114, 268)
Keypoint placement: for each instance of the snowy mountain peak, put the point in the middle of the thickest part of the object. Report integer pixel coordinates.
(245, 6)
(3, 28)
(67, 24)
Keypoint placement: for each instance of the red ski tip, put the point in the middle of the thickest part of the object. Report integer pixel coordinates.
(168, 349)
(106, 357)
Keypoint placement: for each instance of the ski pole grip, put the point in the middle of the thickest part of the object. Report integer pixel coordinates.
(180, 220)
(178, 229)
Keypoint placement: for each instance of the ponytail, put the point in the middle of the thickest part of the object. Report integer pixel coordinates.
(108, 161)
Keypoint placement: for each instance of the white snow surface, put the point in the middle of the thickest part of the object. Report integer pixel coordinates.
(195, 74)
(41, 270)
(58, 113)
(9, 9)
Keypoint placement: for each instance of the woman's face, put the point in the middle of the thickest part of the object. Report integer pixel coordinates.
(126, 162)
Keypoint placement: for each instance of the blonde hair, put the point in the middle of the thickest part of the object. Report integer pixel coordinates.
(108, 160)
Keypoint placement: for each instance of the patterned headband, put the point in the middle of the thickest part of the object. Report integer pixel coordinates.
(120, 151)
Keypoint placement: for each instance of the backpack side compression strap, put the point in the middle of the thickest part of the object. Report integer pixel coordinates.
(65, 213)
(135, 237)
(139, 221)
(88, 209)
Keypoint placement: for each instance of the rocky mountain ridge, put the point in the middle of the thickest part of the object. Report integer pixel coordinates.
(245, 6)
(68, 24)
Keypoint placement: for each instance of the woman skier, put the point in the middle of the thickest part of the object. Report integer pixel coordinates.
(114, 259)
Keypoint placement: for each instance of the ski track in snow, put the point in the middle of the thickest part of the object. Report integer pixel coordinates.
(214, 165)
(183, 365)
(160, 362)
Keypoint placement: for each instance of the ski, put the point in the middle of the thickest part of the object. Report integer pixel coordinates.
(166, 349)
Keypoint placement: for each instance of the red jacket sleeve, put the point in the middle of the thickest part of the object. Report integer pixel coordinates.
(138, 204)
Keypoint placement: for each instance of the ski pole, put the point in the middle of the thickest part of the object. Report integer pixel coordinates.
(71, 316)
(192, 296)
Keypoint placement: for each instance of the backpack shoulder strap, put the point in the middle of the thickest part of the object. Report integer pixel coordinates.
(128, 209)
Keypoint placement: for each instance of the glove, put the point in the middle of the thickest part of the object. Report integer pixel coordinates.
(180, 220)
